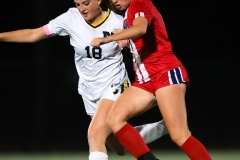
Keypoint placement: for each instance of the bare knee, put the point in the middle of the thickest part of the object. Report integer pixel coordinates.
(91, 136)
(96, 136)
(110, 121)
(179, 137)
(115, 122)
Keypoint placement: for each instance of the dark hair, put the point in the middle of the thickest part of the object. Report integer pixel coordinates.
(105, 4)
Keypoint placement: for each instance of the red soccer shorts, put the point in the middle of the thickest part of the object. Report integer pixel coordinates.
(175, 76)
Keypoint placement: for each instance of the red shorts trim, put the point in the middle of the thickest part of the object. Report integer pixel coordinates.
(175, 76)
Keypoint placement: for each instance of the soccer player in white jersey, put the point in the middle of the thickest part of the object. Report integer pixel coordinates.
(101, 70)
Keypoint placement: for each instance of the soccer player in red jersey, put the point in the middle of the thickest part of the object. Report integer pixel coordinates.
(160, 77)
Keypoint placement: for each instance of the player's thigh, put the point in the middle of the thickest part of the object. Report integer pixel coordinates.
(171, 101)
(133, 101)
(103, 107)
(99, 124)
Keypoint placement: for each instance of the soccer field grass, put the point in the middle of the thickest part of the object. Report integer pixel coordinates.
(163, 155)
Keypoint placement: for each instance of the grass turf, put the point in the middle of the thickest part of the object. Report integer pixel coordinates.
(163, 155)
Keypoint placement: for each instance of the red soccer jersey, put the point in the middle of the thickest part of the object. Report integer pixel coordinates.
(152, 53)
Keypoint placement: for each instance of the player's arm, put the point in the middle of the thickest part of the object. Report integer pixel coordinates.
(24, 35)
(121, 43)
(138, 29)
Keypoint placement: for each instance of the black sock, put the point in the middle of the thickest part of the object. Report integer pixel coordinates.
(147, 156)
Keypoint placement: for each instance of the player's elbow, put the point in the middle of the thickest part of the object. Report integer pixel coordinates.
(142, 31)
(141, 25)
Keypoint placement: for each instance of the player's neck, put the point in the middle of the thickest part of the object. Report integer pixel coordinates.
(101, 16)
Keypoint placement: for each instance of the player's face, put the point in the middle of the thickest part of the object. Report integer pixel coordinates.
(121, 4)
(89, 9)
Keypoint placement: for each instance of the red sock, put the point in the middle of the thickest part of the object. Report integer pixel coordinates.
(195, 149)
(132, 141)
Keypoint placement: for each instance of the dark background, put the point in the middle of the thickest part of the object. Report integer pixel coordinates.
(40, 109)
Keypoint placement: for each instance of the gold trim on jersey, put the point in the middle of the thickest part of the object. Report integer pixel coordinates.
(125, 84)
(102, 21)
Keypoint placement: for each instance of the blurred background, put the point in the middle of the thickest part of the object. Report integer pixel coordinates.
(41, 110)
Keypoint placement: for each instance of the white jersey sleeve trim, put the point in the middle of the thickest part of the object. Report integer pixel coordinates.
(139, 14)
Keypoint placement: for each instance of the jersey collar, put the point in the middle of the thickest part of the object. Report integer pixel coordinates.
(102, 21)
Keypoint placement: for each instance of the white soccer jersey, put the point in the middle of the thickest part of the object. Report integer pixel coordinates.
(98, 68)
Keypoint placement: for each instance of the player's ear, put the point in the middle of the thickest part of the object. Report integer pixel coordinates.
(99, 2)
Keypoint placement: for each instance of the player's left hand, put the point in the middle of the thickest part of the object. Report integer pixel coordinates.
(96, 42)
